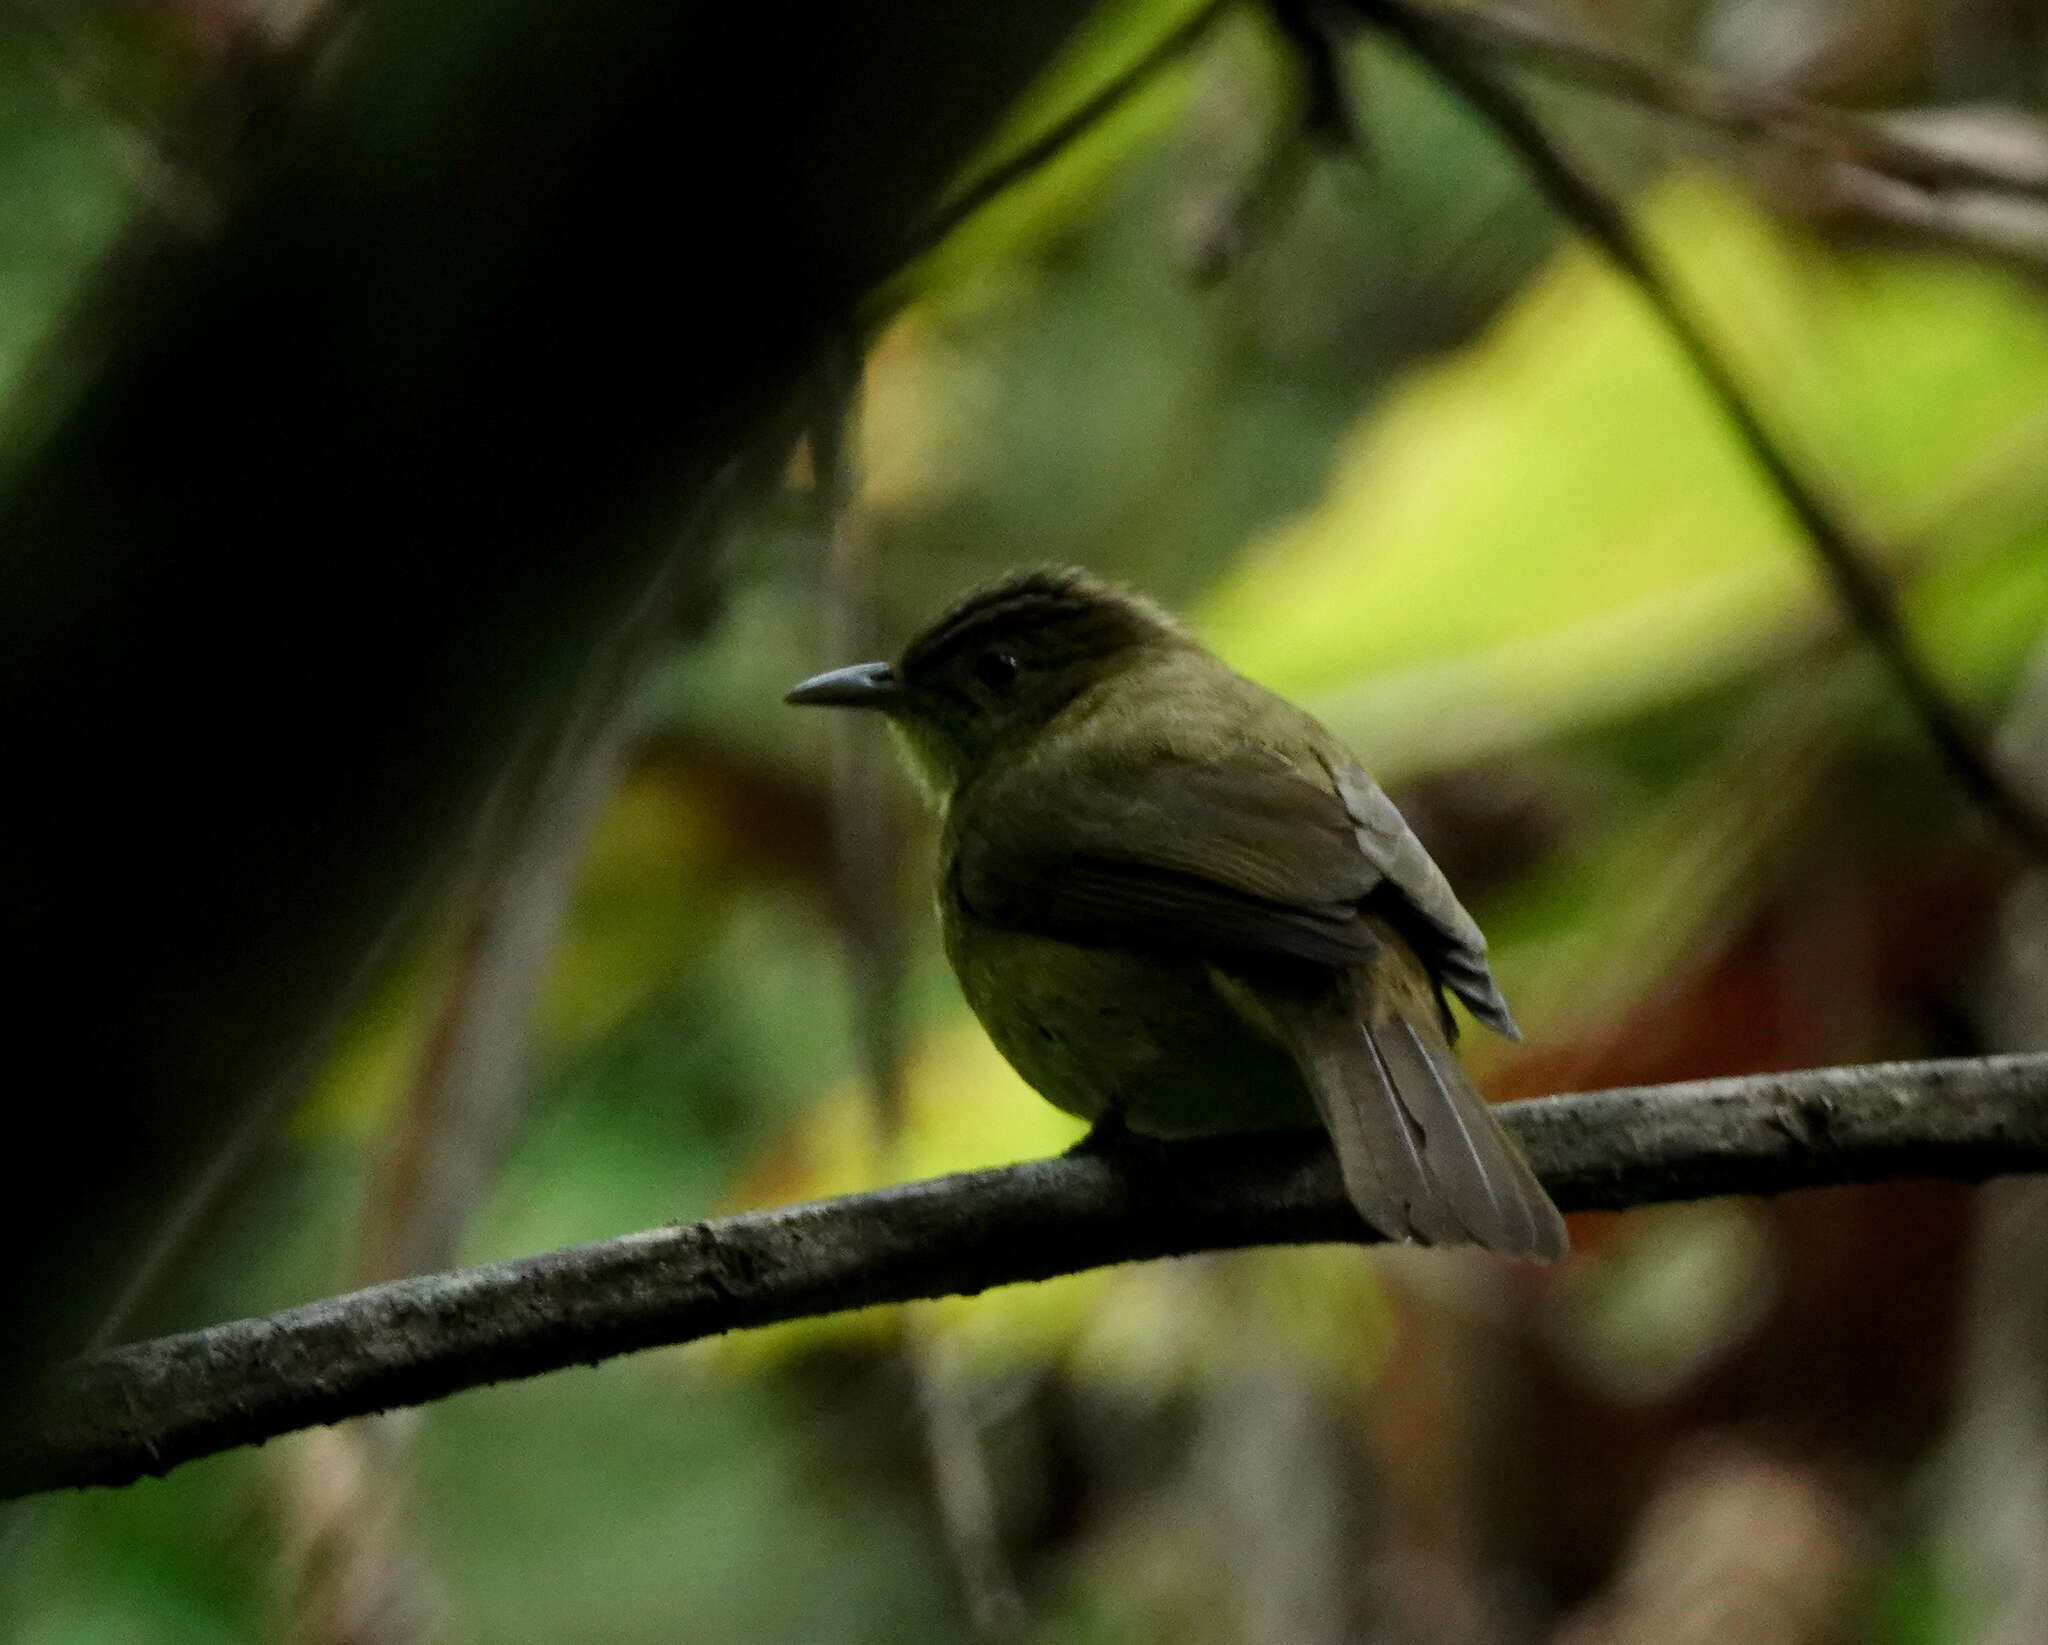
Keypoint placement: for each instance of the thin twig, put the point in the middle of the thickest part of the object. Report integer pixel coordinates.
(864, 844)
(866, 848)
(353, 1568)
(464, 1097)
(1849, 562)
(143, 1409)
(1996, 227)
(1938, 175)
(1326, 117)
(1934, 176)
(1733, 111)
(1049, 144)
(225, 1168)
(614, 667)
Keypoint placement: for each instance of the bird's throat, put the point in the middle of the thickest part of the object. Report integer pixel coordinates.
(935, 764)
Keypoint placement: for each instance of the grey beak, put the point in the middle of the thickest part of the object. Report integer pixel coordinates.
(864, 685)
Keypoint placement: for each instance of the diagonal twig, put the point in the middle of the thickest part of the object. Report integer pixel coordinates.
(143, 1409)
(353, 1569)
(1049, 144)
(1848, 561)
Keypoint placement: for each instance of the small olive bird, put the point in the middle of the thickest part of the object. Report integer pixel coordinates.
(1180, 907)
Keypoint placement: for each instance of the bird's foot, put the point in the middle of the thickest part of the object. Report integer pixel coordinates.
(1108, 1135)
(1111, 1135)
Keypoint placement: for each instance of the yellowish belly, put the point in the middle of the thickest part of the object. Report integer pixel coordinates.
(1100, 1029)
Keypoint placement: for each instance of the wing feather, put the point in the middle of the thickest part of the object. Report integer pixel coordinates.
(1232, 857)
(1435, 921)
(1237, 853)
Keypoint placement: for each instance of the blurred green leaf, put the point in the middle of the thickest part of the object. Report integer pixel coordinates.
(1554, 528)
(61, 203)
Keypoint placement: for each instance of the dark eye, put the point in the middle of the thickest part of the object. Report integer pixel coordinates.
(995, 669)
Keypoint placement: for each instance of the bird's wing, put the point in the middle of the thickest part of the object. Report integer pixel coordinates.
(1428, 911)
(1242, 851)
(1239, 855)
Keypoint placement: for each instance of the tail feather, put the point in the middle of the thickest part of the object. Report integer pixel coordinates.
(1422, 1155)
(1473, 1163)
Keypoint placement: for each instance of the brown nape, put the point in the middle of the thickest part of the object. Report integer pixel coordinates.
(1093, 616)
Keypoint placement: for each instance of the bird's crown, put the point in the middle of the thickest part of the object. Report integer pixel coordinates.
(1062, 615)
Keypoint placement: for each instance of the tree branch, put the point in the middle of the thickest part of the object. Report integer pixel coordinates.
(143, 1409)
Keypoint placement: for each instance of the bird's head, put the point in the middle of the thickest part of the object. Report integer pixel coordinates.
(998, 666)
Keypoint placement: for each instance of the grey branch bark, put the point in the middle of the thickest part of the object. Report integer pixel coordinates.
(143, 1409)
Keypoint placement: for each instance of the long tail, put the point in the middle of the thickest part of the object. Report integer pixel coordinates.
(1423, 1157)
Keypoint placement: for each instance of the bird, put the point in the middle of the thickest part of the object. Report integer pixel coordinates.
(1180, 907)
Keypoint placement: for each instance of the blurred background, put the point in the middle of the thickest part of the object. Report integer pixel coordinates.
(1335, 386)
